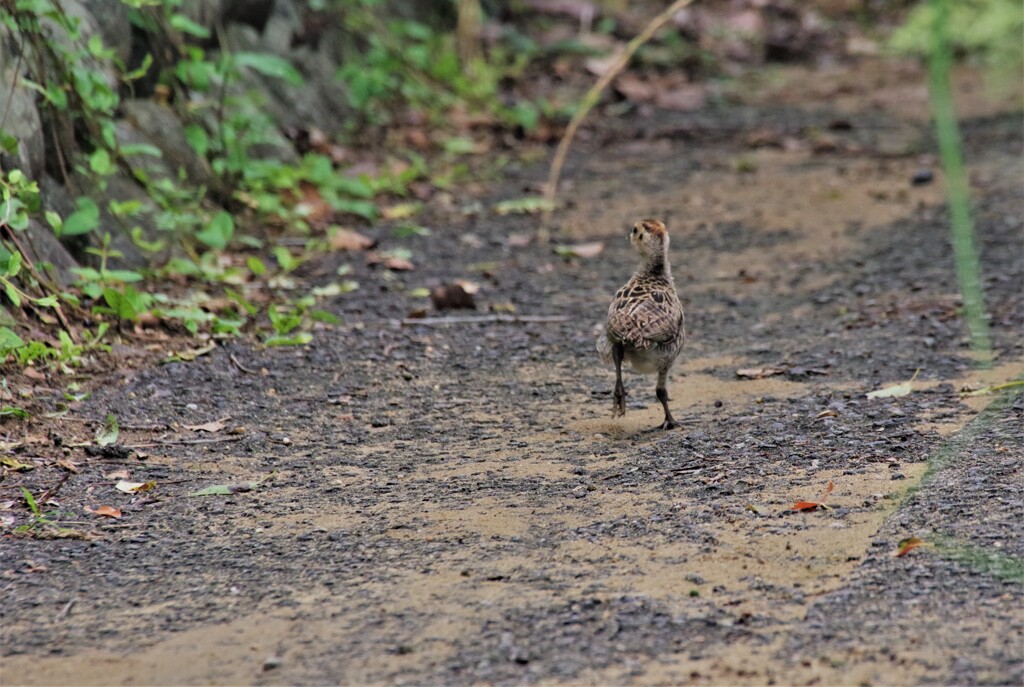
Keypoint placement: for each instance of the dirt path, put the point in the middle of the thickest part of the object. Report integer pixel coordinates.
(456, 506)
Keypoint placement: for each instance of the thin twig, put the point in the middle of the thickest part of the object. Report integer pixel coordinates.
(591, 98)
(240, 366)
(185, 442)
(52, 491)
(122, 425)
(31, 268)
(482, 319)
(66, 610)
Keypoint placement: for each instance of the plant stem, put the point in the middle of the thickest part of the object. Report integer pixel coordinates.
(965, 252)
(590, 99)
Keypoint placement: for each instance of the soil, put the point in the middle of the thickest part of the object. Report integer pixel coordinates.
(455, 504)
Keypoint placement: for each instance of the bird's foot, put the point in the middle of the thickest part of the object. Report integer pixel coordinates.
(669, 423)
(619, 403)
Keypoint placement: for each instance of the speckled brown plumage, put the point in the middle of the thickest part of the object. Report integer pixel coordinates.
(645, 319)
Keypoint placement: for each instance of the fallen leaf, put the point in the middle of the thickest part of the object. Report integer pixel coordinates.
(350, 240)
(225, 489)
(814, 505)
(581, 250)
(599, 66)
(759, 372)
(33, 373)
(519, 240)
(520, 206)
(219, 489)
(827, 413)
(312, 205)
(891, 391)
(190, 355)
(118, 474)
(108, 511)
(134, 487)
(452, 297)
(401, 210)
(804, 505)
(895, 390)
(108, 433)
(686, 99)
(398, 264)
(634, 88)
(68, 465)
(16, 465)
(908, 545)
(212, 427)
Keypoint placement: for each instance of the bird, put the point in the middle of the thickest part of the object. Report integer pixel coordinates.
(645, 325)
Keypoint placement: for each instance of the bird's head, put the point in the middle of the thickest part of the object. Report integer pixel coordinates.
(650, 238)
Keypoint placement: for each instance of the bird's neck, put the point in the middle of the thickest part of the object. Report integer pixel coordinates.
(655, 266)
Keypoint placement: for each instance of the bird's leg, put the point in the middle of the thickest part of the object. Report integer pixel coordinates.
(619, 405)
(662, 393)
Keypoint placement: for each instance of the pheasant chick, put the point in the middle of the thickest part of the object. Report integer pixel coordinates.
(645, 318)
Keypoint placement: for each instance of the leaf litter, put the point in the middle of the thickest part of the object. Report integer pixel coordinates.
(814, 505)
(212, 427)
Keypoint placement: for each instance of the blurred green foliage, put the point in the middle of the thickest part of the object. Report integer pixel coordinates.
(990, 29)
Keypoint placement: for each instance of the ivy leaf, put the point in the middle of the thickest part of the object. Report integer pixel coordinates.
(81, 221)
(270, 65)
(9, 341)
(186, 25)
(14, 264)
(218, 233)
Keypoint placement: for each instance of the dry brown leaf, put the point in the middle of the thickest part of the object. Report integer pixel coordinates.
(134, 487)
(118, 474)
(453, 297)
(581, 250)
(398, 264)
(804, 505)
(349, 239)
(68, 465)
(108, 511)
(519, 240)
(686, 99)
(635, 89)
(312, 205)
(759, 372)
(33, 373)
(211, 427)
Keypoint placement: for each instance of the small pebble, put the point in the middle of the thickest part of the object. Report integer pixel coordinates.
(922, 176)
(272, 662)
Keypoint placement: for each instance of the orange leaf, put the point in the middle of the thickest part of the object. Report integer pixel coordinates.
(398, 264)
(908, 545)
(828, 489)
(347, 239)
(804, 505)
(108, 511)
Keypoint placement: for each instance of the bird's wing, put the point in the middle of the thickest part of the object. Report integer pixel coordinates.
(645, 322)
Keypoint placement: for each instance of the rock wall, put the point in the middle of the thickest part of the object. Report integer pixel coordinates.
(309, 40)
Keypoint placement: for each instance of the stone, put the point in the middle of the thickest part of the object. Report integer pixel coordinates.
(19, 117)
